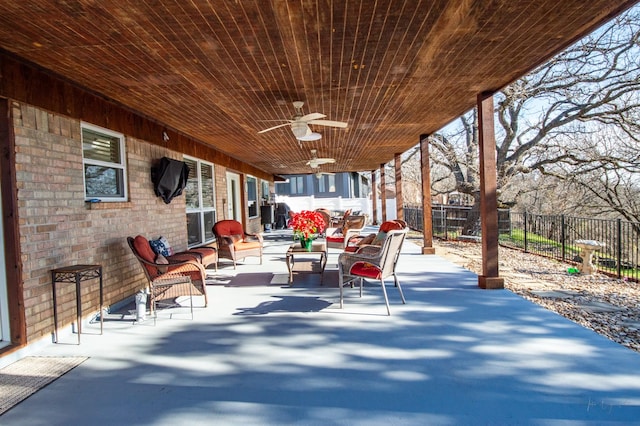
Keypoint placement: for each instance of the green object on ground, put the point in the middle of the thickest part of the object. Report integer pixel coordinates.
(573, 271)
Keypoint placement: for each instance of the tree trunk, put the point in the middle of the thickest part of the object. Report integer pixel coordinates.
(472, 224)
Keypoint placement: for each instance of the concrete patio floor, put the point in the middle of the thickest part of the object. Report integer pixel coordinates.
(264, 353)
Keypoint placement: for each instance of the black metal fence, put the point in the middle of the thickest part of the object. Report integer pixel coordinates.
(448, 221)
(549, 235)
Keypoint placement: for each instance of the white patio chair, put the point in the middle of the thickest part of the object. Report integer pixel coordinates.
(374, 263)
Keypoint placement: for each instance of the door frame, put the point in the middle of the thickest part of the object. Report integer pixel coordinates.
(15, 314)
(233, 208)
(5, 329)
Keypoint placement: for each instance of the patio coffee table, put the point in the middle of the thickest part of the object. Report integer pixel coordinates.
(312, 261)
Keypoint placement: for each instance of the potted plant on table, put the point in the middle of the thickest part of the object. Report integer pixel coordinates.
(306, 226)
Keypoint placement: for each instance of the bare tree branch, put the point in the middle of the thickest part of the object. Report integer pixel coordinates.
(552, 123)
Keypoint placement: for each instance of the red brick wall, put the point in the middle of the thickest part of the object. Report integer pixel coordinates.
(57, 228)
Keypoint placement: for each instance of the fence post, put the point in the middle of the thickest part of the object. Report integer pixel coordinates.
(619, 251)
(563, 236)
(445, 215)
(525, 232)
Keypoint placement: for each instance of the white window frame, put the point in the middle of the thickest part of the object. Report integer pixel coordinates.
(200, 210)
(327, 184)
(282, 188)
(248, 179)
(297, 188)
(121, 165)
(264, 188)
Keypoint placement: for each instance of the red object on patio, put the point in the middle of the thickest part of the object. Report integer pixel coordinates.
(366, 270)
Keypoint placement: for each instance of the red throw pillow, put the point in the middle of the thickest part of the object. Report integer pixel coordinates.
(141, 244)
(229, 227)
(390, 225)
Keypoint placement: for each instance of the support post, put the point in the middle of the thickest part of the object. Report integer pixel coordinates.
(427, 220)
(374, 195)
(383, 193)
(490, 278)
(17, 332)
(397, 160)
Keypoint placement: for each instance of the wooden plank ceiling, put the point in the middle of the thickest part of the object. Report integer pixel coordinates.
(221, 70)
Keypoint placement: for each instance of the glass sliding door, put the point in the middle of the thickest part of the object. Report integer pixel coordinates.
(200, 201)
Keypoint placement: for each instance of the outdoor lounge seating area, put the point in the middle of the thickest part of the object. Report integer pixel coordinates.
(164, 117)
(266, 353)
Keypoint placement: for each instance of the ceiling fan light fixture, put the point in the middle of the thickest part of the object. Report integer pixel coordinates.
(299, 124)
(300, 129)
(313, 136)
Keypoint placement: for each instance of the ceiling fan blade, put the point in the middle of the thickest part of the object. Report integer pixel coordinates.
(315, 162)
(275, 127)
(312, 116)
(320, 174)
(331, 123)
(325, 160)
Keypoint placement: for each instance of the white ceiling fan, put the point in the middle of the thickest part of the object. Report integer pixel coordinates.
(300, 124)
(316, 162)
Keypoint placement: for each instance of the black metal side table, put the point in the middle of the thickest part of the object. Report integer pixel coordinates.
(75, 274)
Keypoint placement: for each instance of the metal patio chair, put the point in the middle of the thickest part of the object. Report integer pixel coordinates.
(372, 262)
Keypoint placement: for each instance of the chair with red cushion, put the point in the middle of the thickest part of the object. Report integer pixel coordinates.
(236, 244)
(160, 269)
(339, 237)
(338, 222)
(373, 263)
(326, 215)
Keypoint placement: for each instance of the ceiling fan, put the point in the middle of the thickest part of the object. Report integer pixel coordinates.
(300, 124)
(316, 162)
